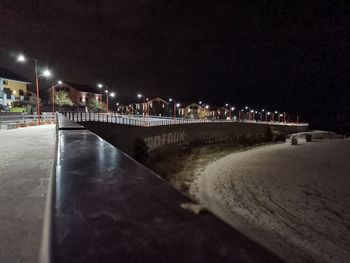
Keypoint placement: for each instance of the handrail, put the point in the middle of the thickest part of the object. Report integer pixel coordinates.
(46, 244)
(147, 121)
(24, 118)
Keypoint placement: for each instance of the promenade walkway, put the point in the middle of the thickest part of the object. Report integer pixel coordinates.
(26, 156)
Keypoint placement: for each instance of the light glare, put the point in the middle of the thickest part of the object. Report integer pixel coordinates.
(21, 58)
(47, 73)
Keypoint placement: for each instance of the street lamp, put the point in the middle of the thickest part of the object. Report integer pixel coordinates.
(268, 114)
(251, 114)
(144, 105)
(100, 86)
(231, 110)
(53, 95)
(177, 106)
(106, 91)
(46, 73)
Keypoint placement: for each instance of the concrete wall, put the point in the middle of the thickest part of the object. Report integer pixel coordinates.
(172, 137)
(288, 129)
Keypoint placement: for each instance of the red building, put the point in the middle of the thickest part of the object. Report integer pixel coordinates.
(80, 94)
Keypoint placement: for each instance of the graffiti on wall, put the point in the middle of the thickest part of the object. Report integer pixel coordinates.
(161, 140)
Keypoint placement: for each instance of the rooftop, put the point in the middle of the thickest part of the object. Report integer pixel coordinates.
(82, 87)
(8, 74)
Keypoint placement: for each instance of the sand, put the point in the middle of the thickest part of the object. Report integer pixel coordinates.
(294, 200)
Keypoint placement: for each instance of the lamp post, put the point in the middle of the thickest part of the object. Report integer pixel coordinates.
(239, 114)
(261, 115)
(267, 114)
(53, 94)
(106, 91)
(231, 110)
(100, 86)
(112, 94)
(280, 117)
(46, 73)
(251, 114)
(174, 108)
(177, 106)
(143, 104)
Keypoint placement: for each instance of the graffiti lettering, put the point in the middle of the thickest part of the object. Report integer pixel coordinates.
(164, 139)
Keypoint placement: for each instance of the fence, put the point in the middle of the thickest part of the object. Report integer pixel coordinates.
(25, 118)
(147, 121)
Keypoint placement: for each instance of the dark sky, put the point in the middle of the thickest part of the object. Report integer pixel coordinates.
(284, 55)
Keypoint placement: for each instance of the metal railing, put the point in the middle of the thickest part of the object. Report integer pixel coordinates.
(147, 121)
(25, 118)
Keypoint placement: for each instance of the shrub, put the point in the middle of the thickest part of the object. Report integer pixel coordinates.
(18, 109)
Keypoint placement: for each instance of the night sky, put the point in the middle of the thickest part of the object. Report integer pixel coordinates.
(280, 55)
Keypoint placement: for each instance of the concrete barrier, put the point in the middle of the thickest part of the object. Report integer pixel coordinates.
(105, 207)
(173, 137)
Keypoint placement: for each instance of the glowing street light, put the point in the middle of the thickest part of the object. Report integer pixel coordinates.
(46, 73)
(170, 99)
(21, 58)
(144, 104)
(267, 114)
(59, 82)
(106, 91)
(230, 110)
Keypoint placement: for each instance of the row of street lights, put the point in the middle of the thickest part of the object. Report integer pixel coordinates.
(107, 92)
(47, 73)
(251, 112)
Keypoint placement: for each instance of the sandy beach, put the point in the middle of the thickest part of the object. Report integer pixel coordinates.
(294, 200)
